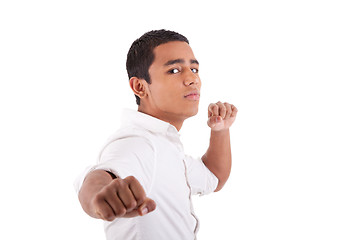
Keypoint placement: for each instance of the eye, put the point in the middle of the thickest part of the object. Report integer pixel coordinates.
(195, 70)
(174, 71)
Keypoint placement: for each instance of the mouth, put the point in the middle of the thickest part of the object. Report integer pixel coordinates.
(194, 96)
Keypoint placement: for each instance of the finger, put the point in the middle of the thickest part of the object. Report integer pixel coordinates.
(103, 209)
(148, 206)
(222, 109)
(116, 204)
(213, 110)
(126, 195)
(234, 111)
(133, 213)
(228, 110)
(137, 190)
(212, 121)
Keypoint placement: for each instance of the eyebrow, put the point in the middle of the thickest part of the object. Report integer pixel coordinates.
(179, 60)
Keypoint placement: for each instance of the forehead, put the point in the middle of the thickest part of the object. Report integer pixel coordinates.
(172, 50)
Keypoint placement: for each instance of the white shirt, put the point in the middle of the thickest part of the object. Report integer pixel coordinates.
(150, 150)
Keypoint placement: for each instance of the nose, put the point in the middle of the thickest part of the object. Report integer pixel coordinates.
(191, 78)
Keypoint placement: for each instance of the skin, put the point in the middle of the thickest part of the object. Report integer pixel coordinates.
(173, 96)
(174, 74)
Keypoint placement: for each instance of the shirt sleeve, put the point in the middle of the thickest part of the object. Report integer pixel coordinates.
(201, 180)
(131, 156)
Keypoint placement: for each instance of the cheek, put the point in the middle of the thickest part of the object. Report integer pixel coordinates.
(167, 92)
(163, 94)
(171, 97)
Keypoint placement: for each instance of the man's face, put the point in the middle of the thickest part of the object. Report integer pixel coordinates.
(174, 91)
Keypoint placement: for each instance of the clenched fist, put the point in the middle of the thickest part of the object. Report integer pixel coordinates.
(108, 199)
(221, 116)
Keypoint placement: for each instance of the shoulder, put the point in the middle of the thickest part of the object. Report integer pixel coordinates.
(129, 140)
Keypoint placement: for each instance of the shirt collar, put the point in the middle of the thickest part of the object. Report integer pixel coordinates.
(142, 120)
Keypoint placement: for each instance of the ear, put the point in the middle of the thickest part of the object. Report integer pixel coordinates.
(138, 86)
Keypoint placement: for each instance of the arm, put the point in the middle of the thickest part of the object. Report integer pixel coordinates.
(218, 156)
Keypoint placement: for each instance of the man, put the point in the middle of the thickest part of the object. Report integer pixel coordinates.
(143, 182)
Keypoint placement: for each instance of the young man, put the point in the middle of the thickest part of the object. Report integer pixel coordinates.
(143, 182)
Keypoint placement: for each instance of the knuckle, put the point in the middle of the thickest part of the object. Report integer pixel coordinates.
(132, 204)
(121, 212)
(141, 198)
(98, 198)
(106, 190)
(119, 183)
(130, 179)
(108, 216)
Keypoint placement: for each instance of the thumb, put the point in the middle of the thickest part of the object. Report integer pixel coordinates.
(213, 120)
(148, 206)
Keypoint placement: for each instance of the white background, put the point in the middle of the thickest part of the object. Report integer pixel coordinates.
(291, 67)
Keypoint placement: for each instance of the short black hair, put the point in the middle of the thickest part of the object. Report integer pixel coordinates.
(141, 55)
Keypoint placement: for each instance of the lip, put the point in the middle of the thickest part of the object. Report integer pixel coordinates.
(193, 95)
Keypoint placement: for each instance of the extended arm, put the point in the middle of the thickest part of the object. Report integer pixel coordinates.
(218, 156)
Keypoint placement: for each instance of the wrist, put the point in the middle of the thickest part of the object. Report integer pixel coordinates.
(220, 131)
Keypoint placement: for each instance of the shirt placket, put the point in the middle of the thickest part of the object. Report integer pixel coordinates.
(180, 147)
(192, 212)
(191, 205)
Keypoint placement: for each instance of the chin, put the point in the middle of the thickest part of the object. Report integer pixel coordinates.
(191, 112)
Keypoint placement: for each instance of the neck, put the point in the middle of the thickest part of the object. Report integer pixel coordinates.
(166, 117)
